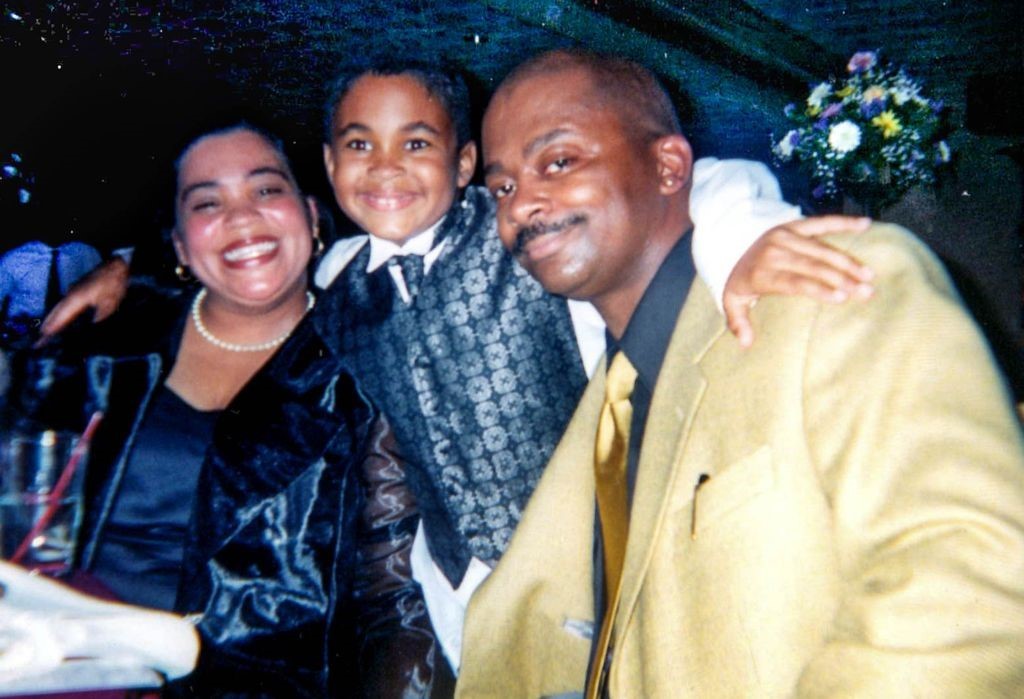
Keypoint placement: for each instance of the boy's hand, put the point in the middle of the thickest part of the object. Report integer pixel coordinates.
(103, 289)
(788, 260)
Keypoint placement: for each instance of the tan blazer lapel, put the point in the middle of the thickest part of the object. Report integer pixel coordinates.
(673, 405)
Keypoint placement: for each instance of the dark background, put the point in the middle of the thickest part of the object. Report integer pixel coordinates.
(96, 97)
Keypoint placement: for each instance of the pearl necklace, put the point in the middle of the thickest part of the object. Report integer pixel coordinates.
(197, 321)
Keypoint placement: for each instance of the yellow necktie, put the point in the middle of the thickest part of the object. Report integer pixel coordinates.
(610, 457)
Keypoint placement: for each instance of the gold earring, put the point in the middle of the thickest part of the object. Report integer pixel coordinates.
(181, 272)
(318, 247)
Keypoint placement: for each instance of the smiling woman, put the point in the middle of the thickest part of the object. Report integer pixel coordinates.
(202, 427)
(246, 233)
(244, 230)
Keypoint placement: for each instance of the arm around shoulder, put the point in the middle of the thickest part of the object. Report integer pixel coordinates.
(102, 290)
(732, 203)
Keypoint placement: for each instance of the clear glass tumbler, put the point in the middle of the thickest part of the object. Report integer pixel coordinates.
(41, 499)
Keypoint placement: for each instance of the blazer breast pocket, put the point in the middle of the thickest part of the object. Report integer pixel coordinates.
(736, 485)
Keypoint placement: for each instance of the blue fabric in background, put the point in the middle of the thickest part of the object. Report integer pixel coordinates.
(25, 274)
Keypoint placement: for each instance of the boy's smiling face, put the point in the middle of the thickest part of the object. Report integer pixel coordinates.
(393, 159)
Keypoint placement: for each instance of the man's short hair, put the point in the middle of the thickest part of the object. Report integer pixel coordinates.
(447, 86)
(633, 91)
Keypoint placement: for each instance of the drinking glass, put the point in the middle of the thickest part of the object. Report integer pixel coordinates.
(41, 482)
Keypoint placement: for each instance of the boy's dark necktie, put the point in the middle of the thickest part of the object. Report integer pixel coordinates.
(412, 272)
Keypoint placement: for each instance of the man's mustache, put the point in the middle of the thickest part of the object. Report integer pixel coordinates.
(527, 233)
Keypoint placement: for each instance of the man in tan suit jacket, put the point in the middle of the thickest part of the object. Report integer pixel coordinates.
(838, 511)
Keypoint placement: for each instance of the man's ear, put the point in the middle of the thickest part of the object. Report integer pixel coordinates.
(466, 163)
(675, 162)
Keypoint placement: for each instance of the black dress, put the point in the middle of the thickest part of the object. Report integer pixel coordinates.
(139, 556)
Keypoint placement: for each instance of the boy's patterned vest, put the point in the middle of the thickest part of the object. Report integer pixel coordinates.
(479, 376)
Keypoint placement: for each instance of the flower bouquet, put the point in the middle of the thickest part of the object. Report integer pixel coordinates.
(872, 135)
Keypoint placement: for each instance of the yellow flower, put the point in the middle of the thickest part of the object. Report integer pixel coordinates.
(887, 123)
(845, 92)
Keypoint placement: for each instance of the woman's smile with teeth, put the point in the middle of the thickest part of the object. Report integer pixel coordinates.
(248, 252)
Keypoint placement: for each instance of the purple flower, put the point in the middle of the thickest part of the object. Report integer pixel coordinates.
(821, 124)
(872, 109)
(818, 192)
(831, 110)
(937, 106)
(862, 61)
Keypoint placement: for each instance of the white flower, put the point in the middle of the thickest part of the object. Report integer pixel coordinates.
(844, 137)
(905, 90)
(943, 151)
(784, 148)
(818, 95)
(901, 96)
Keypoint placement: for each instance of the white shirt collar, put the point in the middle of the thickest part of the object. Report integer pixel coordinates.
(382, 250)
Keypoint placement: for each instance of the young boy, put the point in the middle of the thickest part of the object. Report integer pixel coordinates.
(477, 368)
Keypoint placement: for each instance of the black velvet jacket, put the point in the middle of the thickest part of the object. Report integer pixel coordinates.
(297, 559)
